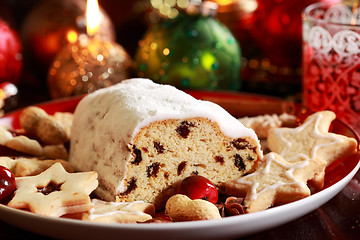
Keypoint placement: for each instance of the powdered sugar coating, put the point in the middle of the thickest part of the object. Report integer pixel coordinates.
(154, 102)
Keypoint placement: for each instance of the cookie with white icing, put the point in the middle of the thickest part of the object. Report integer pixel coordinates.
(312, 141)
(275, 182)
(119, 212)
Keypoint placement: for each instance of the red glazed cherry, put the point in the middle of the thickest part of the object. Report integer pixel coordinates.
(198, 187)
(7, 183)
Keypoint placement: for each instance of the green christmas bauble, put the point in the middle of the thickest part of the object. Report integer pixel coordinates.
(190, 52)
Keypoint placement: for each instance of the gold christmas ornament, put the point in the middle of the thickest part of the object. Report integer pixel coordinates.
(51, 24)
(87, 65)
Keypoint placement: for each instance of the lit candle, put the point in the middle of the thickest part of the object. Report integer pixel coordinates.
(89, 62)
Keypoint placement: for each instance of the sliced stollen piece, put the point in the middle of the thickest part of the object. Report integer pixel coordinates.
(143, 138)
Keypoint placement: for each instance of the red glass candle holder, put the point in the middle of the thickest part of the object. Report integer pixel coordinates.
(331, 60)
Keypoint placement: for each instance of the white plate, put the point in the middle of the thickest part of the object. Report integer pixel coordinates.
(229, 227)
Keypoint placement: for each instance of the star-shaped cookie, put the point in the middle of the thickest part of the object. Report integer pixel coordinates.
(119, 212)
(55, 192)
(276, 181)
(29, 166)
(312, 141)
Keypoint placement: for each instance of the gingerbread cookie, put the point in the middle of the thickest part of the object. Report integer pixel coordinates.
(119, 212)
(181, 208)
(312, 141)
(55, 192)
(275, 182)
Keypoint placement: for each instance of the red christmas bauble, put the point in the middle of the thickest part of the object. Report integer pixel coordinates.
(277, 30)
(10, 54)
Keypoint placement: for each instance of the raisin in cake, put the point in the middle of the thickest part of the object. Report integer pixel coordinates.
(143, 138)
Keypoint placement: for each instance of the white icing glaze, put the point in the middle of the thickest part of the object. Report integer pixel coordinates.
(270, 158)
(316, 134)
(163, 102)
(108, 209)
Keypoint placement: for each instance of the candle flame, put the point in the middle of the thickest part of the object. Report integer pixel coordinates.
(92, 17)
(354, 10)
